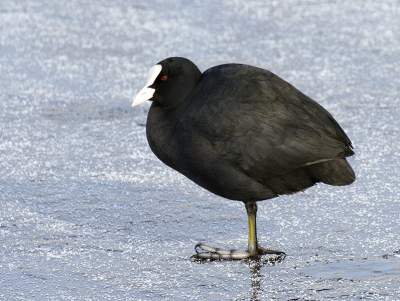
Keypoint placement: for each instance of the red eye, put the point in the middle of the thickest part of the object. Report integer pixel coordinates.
(164, 77)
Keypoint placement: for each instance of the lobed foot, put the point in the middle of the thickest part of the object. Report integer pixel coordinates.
(204, 252)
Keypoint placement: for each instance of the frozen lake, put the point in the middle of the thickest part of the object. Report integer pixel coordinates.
(87, 212)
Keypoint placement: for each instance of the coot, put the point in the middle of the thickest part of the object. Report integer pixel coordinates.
(244, 134)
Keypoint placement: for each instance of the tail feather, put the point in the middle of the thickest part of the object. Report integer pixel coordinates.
(336, 172)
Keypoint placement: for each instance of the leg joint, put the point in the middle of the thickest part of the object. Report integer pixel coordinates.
(251, 208)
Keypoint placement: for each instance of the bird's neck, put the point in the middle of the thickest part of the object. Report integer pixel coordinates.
(160, 133)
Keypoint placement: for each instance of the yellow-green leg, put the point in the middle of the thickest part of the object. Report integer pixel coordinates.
(251, 208)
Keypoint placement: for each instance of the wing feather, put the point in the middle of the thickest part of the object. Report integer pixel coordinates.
(270, 129)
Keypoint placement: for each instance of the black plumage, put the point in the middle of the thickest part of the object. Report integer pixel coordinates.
(244, 133)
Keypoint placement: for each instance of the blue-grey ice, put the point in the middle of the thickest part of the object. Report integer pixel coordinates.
(87, 212)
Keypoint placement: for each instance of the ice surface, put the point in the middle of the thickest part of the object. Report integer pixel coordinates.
(88, 212)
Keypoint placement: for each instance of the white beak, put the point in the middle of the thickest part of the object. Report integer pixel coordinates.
(146, 93)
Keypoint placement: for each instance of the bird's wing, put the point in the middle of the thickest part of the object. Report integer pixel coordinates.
(271, 130)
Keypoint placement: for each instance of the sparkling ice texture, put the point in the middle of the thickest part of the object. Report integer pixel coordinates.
(87, 212)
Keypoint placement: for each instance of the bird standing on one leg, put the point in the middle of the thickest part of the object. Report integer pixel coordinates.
(242, 133)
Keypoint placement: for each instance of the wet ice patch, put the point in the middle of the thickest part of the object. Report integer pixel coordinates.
(357, 269)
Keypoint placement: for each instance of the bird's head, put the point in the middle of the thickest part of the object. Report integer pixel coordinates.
(169, 82)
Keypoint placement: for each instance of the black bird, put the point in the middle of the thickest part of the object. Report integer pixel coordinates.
(242, 133)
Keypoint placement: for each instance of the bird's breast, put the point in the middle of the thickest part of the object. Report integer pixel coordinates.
(161, 136)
